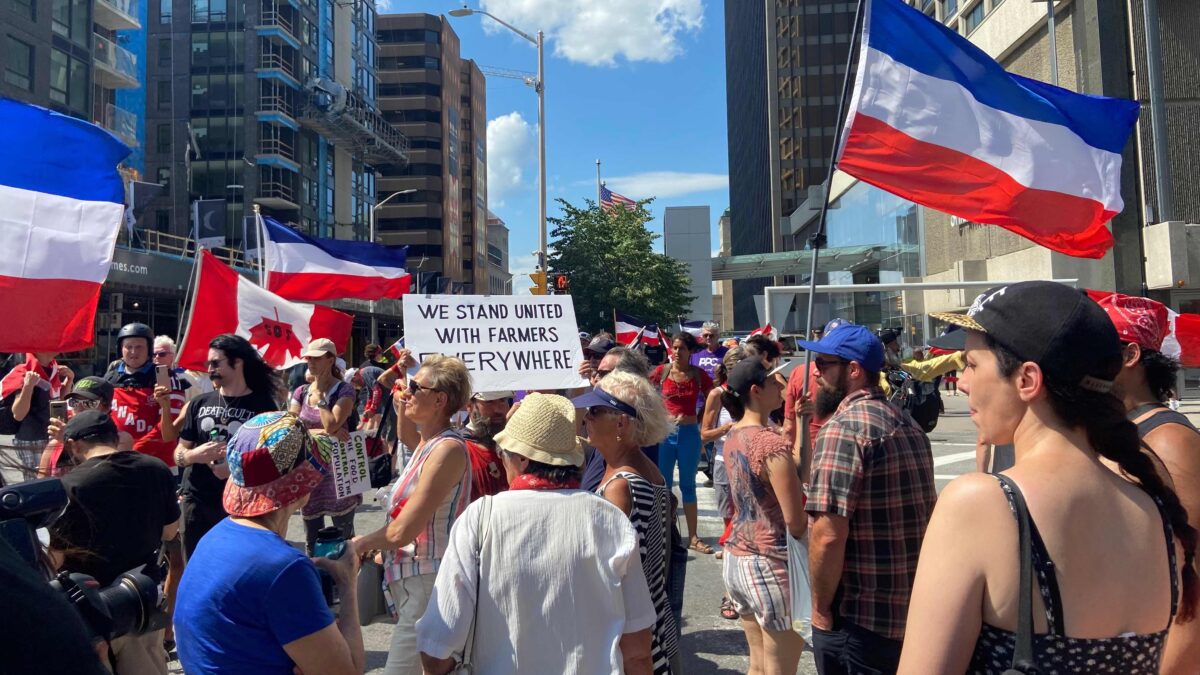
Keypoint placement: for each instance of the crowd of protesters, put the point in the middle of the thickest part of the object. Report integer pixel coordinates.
(541, 536)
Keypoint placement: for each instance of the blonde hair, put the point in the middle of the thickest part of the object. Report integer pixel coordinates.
(449, 375)
(652, 424)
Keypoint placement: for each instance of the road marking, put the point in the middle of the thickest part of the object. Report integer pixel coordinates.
(954, 458)
(961, 445)
(946, 476)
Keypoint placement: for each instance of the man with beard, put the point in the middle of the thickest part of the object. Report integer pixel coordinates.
(488, 415)
(815, 407)
(870, 499)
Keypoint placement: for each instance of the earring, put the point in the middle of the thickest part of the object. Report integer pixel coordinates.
(618, 438)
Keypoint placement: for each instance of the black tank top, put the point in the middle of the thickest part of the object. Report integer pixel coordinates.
(1164, 415)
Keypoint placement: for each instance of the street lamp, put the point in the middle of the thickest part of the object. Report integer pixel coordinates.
(371, 237)
(540, 88)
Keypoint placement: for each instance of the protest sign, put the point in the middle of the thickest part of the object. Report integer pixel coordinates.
(508, 342)
(351, 475)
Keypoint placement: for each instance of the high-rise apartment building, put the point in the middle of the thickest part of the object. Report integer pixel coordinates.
(70, 56)
(438, 101)
(785, 61)
(499, 277)
(266, 102)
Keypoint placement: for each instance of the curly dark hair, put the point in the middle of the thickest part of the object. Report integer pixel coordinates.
(1110, 433)
(1162, 372)
(259, 376)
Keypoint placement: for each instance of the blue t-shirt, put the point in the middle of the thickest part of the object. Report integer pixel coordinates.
(244, 594)
(709, 360)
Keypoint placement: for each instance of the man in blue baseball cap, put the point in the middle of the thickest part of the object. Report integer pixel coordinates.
(870, 497)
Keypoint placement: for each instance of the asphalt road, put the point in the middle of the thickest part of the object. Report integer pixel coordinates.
(710, 644)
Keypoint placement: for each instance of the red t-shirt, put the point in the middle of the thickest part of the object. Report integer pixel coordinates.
(682, 398)
(135, 412)
(487, 471)
(794, 388)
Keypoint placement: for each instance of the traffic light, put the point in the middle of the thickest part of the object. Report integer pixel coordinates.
(560, 284)
(539, 282)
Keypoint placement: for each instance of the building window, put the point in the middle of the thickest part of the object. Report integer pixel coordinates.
(949, 9)
(162, 221)
(26, 8)
(164, 11)
(68, 81)
(164, 95)
(164, 52)
(69, 18)
(18, 69)
(974, 17)
(162, 138)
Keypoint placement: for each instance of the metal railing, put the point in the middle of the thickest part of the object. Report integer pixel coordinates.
(273, 18)
(275, 189)
(270, 61)
(276, 146)
(173, 244)
(122, 123)
(276, 104)
(115, 57)
(127, 7)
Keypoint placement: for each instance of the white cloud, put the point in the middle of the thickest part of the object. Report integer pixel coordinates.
(510, 150)
(666, 184)
(597, 33)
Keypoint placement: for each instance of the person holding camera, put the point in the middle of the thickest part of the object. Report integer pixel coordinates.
(121, 508)
(249, 602)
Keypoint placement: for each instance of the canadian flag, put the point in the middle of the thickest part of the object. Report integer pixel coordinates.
(226, 302)
(767, 330)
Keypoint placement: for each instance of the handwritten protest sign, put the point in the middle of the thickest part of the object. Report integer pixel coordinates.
(508, 342)
(351, 475)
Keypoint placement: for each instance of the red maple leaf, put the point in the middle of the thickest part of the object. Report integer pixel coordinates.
(277, 338)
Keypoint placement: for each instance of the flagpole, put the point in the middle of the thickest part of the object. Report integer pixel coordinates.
(189, 302)
(817, 239)
(262, 246)
(597, 183)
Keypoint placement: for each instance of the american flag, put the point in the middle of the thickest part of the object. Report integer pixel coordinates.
(609, 199)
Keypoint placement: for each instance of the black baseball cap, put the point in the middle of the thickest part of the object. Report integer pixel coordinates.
(600, 345)
(92, 388)
(88, 424)
(954, 338)
(1053, 325)
(749, 372)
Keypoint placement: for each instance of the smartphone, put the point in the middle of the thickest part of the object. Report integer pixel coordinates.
(58, 410)
(162, 375)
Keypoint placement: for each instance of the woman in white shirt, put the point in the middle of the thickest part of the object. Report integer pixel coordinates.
(543, 578)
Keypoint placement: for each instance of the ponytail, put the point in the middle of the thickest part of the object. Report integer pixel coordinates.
(1114, 437)
(733, 404)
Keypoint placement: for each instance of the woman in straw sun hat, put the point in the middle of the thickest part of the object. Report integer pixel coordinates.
(545, 577)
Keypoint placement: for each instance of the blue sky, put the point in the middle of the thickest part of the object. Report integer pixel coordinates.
(637, 84)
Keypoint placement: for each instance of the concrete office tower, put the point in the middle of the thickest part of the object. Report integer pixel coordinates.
(499, 277)
(268, 102)
(723, 290)
(784, 65)
(687, 237)
(438, 100)
(68, 55)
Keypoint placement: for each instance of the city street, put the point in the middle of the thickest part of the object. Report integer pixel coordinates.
(710, 644)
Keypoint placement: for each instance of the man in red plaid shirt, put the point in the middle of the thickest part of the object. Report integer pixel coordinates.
(871, 496)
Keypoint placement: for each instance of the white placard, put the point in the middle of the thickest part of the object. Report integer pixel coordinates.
(351, 468)
(508, 342)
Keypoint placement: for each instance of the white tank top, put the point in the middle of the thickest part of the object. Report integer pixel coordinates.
(719, 444)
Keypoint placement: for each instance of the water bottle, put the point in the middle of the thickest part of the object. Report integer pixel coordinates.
(330, 543)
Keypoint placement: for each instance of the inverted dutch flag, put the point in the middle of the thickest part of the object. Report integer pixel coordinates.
(935, 120)
(631, 330)
(696, 328)
(310, 269)
(61, 206)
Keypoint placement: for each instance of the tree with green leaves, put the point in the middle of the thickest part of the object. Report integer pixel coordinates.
(609, 260)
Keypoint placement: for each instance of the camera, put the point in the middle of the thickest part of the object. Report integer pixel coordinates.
(131, 605)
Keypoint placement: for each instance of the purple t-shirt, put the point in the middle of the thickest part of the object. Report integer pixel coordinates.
(708, 360)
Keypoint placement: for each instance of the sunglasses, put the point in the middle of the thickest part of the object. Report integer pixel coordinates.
(213, 364)
(601, 374)
(415, 387)
(822, 364)
(162, 354)
(598, 410)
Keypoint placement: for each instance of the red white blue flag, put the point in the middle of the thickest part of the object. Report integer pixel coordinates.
(935, 120)
(632, 330)
(310, 269)
(610, 200)
(62, 205)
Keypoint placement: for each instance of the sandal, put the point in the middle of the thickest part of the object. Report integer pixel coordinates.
(699, 546)
(727, 609)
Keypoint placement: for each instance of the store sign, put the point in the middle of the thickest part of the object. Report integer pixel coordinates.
(149, 269)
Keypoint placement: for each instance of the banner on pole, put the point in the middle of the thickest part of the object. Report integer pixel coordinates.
(508, 342)
(350, 466)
